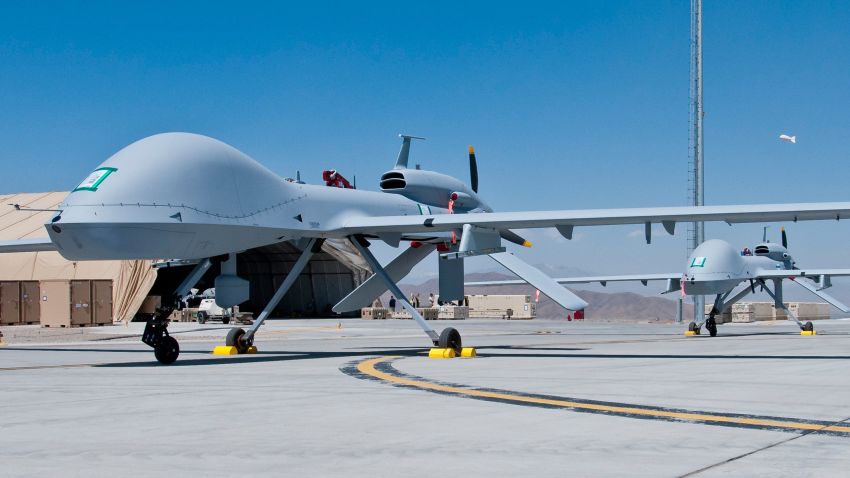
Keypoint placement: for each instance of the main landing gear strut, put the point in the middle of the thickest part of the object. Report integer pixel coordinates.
(779, 303)
(449, 338)
(243, 340)
(165, 347)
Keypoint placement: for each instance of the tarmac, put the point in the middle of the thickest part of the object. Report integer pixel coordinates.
(360, 398)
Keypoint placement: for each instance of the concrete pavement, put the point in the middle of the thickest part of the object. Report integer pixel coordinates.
(105, 407)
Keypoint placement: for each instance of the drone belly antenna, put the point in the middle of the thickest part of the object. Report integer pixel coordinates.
(404, 152)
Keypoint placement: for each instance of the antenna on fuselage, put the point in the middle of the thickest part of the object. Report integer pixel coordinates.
(18, 207)
(404, 152)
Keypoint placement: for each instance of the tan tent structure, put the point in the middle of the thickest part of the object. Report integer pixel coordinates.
(131, 280)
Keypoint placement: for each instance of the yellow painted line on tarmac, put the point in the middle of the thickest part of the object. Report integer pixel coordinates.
(368, 367)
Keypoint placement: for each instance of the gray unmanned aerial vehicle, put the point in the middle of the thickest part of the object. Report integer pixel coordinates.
(135, 206)
(716, 268)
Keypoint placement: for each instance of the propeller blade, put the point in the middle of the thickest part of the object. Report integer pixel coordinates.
(511, 236)
(784, 238)
(752, 286)
(473, 169)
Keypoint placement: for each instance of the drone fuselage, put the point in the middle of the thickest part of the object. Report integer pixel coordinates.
(715, 267)
(180, 195)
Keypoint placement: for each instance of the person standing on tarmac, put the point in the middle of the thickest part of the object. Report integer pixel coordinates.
(392, 303)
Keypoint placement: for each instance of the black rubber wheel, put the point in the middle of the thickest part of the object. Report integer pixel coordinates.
(235, 338)
(202, 317)
(225, 320)
(693, 327)
(450, 339)
(167, 350)
(711, 325)
(809, 327)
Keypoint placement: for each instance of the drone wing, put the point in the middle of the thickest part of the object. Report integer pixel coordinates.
(566, 220)
(37, 244)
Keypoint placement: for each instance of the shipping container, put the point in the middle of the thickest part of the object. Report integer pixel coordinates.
(428, 313)
(10, 303)
(76, 303)
(30, 302)
(55, 303)
(374, 313)
(760, 311)
(150, 304)
(101, 302)
(81, 306)
(752, 311)
(723, 318)
(808, 310)
(501, 306)
(452, 312)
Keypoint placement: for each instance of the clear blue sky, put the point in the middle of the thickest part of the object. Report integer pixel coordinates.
(569, 104)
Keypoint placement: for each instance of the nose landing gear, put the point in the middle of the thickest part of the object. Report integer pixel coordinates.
(165, 347)
(711, 325)
(167, 350)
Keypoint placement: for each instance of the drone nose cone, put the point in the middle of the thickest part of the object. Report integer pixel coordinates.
(180, 169)
(162, 196)
(713, 262)
(715, 255)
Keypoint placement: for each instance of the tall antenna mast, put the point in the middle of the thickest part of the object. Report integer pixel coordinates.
(696, 230)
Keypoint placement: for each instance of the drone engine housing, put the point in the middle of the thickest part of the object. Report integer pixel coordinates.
(431, 188)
